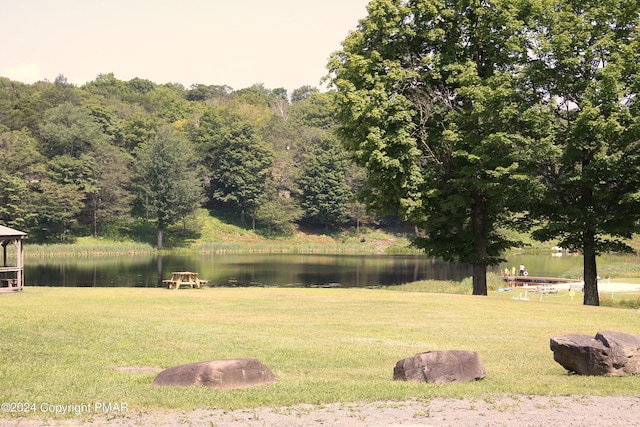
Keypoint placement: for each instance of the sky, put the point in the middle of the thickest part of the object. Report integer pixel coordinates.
(239, 43)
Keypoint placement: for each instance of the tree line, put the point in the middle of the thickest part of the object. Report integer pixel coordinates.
(112, 152)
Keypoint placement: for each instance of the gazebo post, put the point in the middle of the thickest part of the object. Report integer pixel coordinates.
(4, 249)
(19, 262)
(16, 237)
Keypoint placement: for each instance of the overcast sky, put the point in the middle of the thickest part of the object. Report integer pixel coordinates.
(279, 43)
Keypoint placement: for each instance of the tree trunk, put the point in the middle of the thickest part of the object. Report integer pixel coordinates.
(591, 296)
(590, 274)
(159, 267)
(95, 218)
(478, 216)
(253, 218)
(160, 235)
(479, 279)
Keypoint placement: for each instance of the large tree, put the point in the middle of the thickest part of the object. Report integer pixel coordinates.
(111, 198)
(430, 103)
(170, 178)
(240, 164)
(586, 63)
(324, 192)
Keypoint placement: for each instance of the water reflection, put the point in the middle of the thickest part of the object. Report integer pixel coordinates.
(545, 265)
(243, 270)
(271, 270)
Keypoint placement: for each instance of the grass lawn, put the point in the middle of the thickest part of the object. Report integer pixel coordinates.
(63, 346)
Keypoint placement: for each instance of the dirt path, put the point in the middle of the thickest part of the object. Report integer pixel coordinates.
(514, 411)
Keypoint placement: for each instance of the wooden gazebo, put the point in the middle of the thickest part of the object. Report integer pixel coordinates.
(12, 276)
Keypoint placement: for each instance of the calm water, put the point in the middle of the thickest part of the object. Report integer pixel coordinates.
(270, 270)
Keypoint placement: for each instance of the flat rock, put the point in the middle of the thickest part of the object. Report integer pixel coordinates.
(608, 353)
(226, 374)
(441, 367)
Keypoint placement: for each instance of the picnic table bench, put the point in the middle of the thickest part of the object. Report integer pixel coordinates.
(186, 278)
(576, 287)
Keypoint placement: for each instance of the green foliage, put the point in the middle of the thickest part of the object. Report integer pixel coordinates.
(468, 116)
(80, 141)
(324, 193)
(257, 95)
(69, 130)
(111, 198)
(586, 64)
(170, 183)
(240, 165)
(316, 110)
(55, 208)
(429, 103)
(302, 93)
(21, 105)
(278, 216)
(23, 165)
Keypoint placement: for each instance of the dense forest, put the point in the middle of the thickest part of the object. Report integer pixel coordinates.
(100, 158)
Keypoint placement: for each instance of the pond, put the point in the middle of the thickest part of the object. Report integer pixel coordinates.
(271, 269)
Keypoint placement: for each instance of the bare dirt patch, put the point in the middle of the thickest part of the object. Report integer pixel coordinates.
(138, 369)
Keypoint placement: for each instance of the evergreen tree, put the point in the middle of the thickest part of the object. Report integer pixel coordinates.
(324, 191)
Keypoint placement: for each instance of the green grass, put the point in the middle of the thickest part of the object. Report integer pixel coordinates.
(463, 287)
(62, 345)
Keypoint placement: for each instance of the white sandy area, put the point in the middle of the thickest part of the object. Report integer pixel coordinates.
(606, 286)
(603, 286)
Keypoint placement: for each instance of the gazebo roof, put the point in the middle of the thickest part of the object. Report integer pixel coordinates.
(10, 233)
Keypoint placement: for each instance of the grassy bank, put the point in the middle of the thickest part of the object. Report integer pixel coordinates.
(89, 247)
(208, 234)
(67, 346)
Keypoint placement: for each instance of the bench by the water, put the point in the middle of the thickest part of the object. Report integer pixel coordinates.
(576, 287)
(184, 278)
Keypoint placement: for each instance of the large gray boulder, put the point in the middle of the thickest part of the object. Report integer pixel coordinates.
(609, 353)
(226, 374)
(441, 367)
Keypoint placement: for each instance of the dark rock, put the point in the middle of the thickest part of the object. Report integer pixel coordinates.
(441, 367)
(609, 353)
(227, 374)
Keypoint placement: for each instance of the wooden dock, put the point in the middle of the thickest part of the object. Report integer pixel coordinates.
(513, 281)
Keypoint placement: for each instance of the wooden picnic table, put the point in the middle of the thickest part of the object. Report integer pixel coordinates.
(187, 278)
